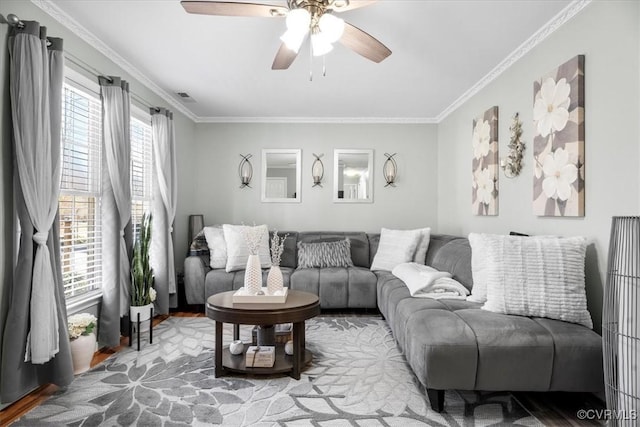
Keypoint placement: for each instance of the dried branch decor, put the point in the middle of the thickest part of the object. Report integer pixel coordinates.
(512, 165)
(277, 248)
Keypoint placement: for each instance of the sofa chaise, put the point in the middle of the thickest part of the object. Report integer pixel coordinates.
(449, 344)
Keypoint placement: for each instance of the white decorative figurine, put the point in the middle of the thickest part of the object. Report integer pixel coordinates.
(236, 347)
(288, 348)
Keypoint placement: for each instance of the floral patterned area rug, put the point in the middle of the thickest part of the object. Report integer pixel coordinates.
(358, 377)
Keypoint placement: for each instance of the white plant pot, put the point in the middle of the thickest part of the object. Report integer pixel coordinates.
(274, 280)
(145, 316)
(253, 275)
(82, 349)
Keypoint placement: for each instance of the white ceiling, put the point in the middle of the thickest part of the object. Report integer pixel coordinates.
(441, 51)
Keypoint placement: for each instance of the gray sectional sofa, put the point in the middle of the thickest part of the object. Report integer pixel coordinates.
(353, 287)
(449, 344)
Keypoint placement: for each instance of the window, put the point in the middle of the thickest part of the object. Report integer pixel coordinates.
(80, 188)
(141, 155)
(79, 202)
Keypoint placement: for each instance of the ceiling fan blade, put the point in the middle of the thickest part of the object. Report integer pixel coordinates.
(284, 58)
(364, 44)
(226, 8)
(353, 4)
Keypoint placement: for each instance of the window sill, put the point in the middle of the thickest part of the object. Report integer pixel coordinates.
(84, 302)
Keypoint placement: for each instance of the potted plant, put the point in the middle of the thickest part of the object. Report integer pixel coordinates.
(142, 292)
(83, 340)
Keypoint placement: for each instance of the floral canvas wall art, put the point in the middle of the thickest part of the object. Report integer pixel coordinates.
(558, 141)
(484, 191)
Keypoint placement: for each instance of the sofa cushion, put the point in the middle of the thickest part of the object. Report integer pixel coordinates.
(289, 256)
(359, 243)
(441, 349)
(576, 350)
(453, 256)
(506, 344)
(337, 287)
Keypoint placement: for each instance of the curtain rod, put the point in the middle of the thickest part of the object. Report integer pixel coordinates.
(97, 73)
(14, 21)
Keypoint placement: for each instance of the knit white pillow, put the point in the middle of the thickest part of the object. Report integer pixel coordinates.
(478, 267)
(395, 247)
(537, 276)
(217, 246)
(238, 251)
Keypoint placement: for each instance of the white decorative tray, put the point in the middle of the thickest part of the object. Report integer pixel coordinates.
(240, 296)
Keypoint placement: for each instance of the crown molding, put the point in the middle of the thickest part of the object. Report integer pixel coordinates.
(75, 27)
(549, 28)
(335, 120)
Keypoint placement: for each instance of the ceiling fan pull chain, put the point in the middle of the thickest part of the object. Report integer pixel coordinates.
(310, 60)
(324, 66)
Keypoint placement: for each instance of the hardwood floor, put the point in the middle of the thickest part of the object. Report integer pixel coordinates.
(552, 409)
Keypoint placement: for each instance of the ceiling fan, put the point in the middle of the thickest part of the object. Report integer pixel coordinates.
(303, 17)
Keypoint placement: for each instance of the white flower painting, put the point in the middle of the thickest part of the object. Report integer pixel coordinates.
(558, 143)
(484, 141)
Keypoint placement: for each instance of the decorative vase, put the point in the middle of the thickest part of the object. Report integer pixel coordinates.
(145, 316)
(82, 349)
(274, 280)
(253, 275)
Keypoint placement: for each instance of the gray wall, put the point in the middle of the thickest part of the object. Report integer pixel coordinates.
(607, 34)
(184, 136)
(411, 204)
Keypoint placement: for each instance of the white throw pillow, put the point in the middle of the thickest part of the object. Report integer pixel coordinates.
(395, 247)
(423, 246)
(538, 277)
(238, 251)
(478, 267)
(217, 246)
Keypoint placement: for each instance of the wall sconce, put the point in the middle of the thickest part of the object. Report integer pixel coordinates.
(317, 170)
(390, 170)
(512, 164)
(245, 171)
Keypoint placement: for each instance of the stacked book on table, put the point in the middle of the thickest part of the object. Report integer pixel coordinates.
(260, 356)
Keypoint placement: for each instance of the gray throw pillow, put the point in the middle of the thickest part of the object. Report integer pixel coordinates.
(325, 254)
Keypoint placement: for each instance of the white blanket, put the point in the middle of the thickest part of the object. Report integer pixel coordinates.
(427, 282)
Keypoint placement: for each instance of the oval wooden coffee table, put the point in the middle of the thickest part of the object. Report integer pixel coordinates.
(299, 307)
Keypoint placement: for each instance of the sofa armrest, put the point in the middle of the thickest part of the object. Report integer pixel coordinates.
(195, 271)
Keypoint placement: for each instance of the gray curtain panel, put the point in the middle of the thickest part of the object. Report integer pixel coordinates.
(165, 196)
(35, 342)
(115, 208)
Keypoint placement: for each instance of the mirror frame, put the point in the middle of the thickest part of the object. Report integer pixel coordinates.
(336, 156)
(263, 192)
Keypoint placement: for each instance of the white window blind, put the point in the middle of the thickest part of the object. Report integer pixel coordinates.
(141, 155)
(79, 203)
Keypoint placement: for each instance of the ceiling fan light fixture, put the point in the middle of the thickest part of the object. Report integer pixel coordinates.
(331, 26)
(293, 39)
(320, 44)
(298, 20)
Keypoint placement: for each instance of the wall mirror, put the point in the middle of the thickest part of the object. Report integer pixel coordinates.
(352, 176)
(281, 175)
